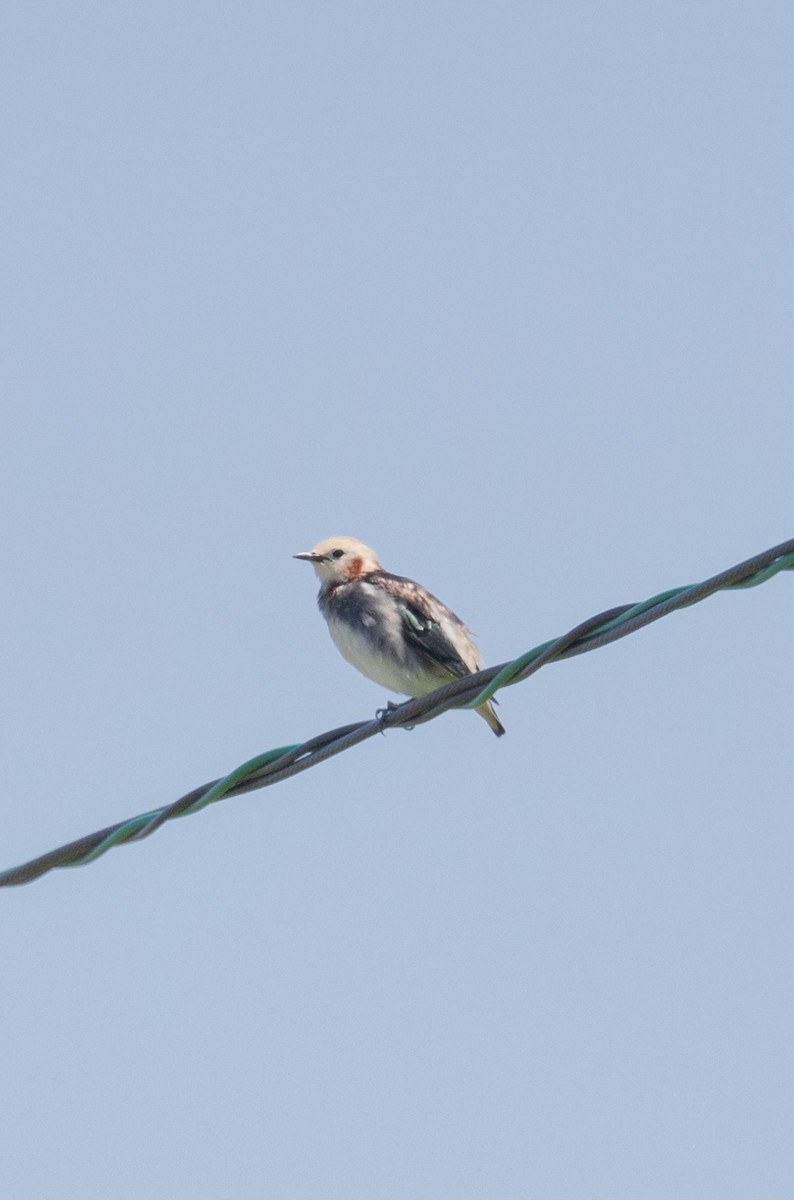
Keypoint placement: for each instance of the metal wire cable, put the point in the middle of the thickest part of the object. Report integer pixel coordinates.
(470, 692)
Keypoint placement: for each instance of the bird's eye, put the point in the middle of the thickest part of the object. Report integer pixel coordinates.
(337, 553)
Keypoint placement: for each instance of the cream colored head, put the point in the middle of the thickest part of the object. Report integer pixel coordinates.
(340, 559)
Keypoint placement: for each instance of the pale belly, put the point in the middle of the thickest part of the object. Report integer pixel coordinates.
(406, 678)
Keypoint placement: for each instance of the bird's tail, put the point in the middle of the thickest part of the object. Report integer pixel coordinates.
(488, 713)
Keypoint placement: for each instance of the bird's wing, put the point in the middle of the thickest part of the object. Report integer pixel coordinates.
(426, 635)
(421, 625)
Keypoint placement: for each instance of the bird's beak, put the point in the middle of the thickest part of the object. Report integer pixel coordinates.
(309, 556)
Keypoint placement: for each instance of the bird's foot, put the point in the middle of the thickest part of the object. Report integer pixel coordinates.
(382, 713)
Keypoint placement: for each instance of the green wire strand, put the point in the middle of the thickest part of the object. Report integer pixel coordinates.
(141, 826)
(509, 673)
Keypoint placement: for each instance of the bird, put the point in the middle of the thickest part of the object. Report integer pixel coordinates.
(391, 629)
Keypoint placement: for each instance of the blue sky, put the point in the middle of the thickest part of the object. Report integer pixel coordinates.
(505, 291)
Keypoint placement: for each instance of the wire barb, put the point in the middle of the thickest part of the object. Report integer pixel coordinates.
(470, 692)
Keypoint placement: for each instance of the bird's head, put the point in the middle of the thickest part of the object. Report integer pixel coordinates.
(341, 559)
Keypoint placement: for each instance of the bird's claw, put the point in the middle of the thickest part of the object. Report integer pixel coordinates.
(382, 713)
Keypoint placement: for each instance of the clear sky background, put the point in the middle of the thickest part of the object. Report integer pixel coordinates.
(504, 290)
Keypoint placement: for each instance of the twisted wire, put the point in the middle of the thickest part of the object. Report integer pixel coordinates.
(281, 763)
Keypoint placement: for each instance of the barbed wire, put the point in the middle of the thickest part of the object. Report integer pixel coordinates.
(470, 692)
